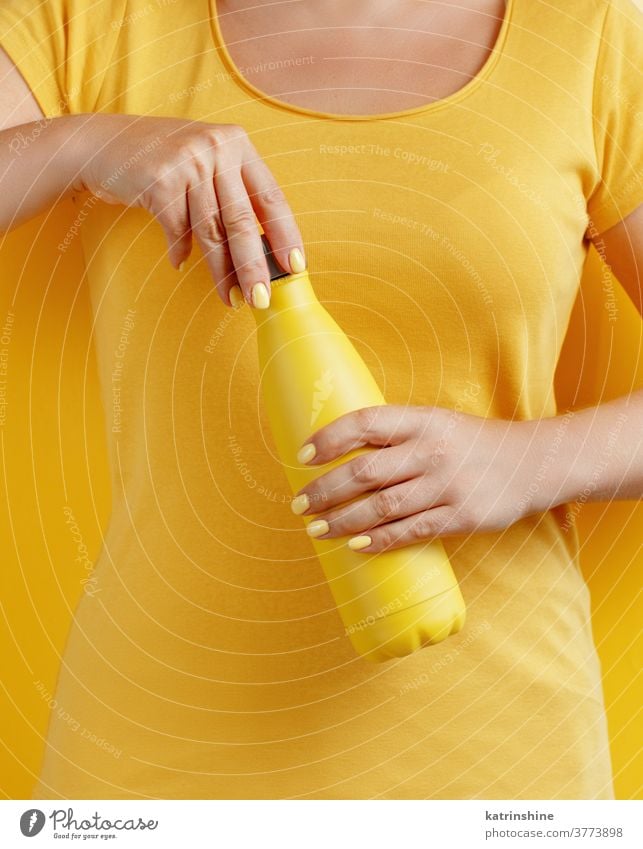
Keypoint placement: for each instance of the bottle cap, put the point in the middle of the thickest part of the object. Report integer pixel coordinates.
(273, 268)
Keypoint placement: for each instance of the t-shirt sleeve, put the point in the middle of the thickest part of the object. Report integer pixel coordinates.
(62, 48)
(618, 116)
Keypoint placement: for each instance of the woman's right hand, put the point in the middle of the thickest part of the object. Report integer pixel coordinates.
(199, 179)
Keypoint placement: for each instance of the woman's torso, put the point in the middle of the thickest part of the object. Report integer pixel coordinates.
(447, 240)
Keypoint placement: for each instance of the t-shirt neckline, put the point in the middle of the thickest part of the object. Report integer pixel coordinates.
(451, 99)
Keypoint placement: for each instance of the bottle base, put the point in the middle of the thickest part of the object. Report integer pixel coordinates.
(406, 631)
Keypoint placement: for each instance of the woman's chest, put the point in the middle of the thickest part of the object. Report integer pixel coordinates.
(452, 234)
(457, 210)
(454, 216)
(443, 253)
(352, 62)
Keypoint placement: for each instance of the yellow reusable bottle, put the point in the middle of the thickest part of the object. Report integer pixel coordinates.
(391, 603)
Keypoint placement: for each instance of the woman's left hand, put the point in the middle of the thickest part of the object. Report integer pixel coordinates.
(435, 472)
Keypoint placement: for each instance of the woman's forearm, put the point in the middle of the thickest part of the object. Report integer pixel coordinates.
(39, 163)
(600, 454)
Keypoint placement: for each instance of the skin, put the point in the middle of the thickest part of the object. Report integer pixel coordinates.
(431, 473)
(361, 57)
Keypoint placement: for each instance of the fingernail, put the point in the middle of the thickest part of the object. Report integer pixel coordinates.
(306, 454)
(181, 265)
(297, 261)
(300, 504)
(260, 297)
(357, 543)
(236, 297)
(318, 528)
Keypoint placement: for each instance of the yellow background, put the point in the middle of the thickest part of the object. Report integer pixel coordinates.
(54, 457)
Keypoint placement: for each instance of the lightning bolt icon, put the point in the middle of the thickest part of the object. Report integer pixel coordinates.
(32, 820)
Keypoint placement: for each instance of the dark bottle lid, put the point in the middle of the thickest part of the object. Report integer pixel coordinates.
(273, 268)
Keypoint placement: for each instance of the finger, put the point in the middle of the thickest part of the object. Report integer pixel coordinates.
(378, 425)
(205, 220)
(173, 215)
(383, 507)
(369, 471)
(242, 233)
(274, 212)
(421, 527)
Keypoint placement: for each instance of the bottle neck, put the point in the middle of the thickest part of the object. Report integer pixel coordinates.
(291, 292)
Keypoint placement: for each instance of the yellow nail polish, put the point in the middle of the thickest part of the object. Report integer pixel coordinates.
(236, 297)
(181, 265)
(317, 528)
(306, 454)
(260, 297)
(296, 260)
(357, 543)
(300, 504)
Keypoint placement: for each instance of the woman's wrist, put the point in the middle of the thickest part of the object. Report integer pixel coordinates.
(568, 464)
(593, 454)
(90, 136)
(547, 478)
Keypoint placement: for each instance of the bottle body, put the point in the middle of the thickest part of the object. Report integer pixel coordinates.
(391, 603)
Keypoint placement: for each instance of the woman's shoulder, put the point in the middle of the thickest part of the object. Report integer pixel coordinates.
(578, 26)
(589, 10)
(586, 11)
(62, 47)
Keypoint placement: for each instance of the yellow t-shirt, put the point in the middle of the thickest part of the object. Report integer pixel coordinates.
(447, 240)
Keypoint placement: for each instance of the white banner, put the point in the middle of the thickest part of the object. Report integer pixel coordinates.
(321, 824)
